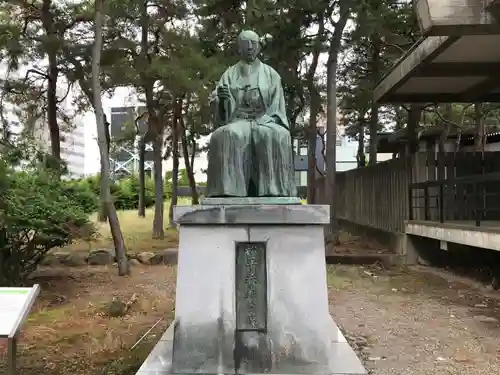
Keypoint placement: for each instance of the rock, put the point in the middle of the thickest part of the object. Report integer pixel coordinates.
(150, 258)
(170, 256)
(73, 260)
(423, 262)
(62, 258)
(134, 262)
(132, 255)
(486, 319)
(116, 308)
(50, 260)
(100, 257)
(156, 259)
(145, 258)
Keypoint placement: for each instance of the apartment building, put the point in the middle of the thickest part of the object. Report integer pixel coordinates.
(72, 143)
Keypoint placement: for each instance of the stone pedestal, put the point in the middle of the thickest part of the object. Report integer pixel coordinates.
(251, 294)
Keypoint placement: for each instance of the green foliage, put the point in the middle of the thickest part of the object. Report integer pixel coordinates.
(36, 216)
(125, 192)
(182, 178)
(82, 192)
(382, 32)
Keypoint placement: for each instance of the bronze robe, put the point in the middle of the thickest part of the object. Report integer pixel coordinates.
(250, 153)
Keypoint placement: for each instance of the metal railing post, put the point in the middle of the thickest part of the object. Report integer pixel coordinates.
(410, 203)
(441, 202)
(426, 202)
(477, 199)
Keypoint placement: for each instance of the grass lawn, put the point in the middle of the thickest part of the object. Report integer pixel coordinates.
(70, 331)
(136, 230)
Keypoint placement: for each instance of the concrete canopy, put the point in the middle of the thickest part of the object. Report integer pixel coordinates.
(459, 64)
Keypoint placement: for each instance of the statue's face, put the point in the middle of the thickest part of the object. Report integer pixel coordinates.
(248, 48)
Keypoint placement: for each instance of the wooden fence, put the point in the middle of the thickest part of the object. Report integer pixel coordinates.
(376, 196)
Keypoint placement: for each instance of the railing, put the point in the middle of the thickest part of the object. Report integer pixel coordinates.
(469, 198)
(375, 196)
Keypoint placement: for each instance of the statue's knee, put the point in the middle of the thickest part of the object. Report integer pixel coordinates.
(281, 135)
(229, 133)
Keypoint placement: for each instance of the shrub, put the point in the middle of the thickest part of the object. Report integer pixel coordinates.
(37, 215)
(126, 193)
(81, 191)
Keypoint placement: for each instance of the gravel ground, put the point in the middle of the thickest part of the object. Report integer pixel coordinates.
(415, 322)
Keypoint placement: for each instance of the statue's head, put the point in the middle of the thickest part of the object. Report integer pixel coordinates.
(248, 45)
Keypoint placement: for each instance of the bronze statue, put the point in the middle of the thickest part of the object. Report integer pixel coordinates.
(250, 152)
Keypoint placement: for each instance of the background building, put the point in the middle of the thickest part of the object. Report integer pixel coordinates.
(345, 155)
(124, 158)
(73, 149)
(72, 142)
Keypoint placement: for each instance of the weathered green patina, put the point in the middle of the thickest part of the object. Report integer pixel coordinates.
(250, 152)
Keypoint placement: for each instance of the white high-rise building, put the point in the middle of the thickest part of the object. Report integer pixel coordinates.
(72, 143)
(73, 149)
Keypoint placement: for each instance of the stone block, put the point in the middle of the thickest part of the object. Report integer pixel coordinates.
(241, 201)
(343, 360)
(100, 257)
(252, 214)
(292, 334)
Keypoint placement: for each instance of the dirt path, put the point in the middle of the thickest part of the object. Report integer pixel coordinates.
(416, 323)
(404, 323)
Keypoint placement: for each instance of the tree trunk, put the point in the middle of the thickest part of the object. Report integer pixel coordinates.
(114, 223)
(55, 137)
(86, 86)
(188, 161)
(312, 140)
(361, 157)
(479, 125)
(193, 154)
(141, 211)
(103, 213)
(53, 73)
(175, 172)
(375, 68)
(158, 231)
(398, 126)
(331, 117)
(331, 145)
(189, 169)
(414, 116)
(315, 102)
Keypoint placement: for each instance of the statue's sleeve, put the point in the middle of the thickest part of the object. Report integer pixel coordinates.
(277, 107)
(222, 111)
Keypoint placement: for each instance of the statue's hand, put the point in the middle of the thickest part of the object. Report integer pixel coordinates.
(223, 92)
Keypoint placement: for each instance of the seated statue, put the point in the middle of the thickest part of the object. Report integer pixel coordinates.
(250, 152)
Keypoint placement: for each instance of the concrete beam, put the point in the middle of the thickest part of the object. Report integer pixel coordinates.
(456, 17)
(484, 237)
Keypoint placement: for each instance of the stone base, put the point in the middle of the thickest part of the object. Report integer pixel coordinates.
(289, 335)
(241, 201)
(343, 360)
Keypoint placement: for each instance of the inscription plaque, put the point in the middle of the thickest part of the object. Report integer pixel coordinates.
(251, 286)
